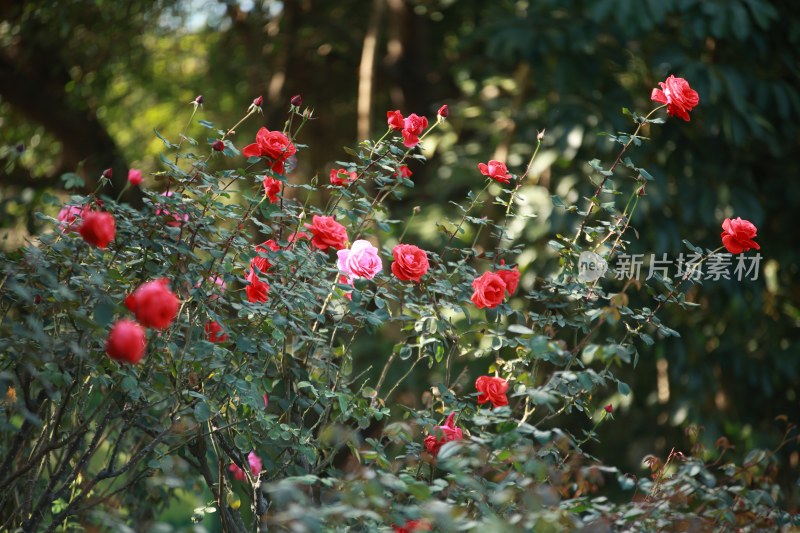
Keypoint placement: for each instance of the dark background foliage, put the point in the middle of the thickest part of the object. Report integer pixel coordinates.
(83, 84)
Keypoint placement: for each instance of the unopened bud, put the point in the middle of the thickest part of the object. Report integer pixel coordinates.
(218, 146)
(540, 134)
(37, 299)
(258, 101)
(609, 408)
(641, 191)
(417, 209)
(198, 101)
(256, 105)
(20, 148)
(296, 100)
(444, 111)
(107, 173)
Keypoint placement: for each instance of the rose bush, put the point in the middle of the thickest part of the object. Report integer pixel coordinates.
(273, 386)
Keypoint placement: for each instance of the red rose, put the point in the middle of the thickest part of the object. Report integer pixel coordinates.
(492, 389)
(256, 290)
(490, 289)
(413, 126)
(342, 177)
(154, 305)
(395, 120)
(738, 235)
(495, 170)
(214, 332)
(271, 188)
(413, 526)
(326, 232)
(443, 434)
(273, 145)
(98, 228)
(679, 97)
(259, 261)
(609, 409)
(126, 342)
(510, 278)
(403, 172)
(410, 262)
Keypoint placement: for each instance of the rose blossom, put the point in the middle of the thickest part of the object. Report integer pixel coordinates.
(489, 290)
(271, 188)
(69, 216)
(255, 467)
(413, 126)
(256, 290)
(126, 342)
(495, 170)
(259, 261)
(273, 145)
(395, 120)
(442, 434)
(738, 235)
(326, 232)
(510, 278)
(98, 228)
(403, 172)
(679, 97)
(360, 261)
(492, 389)
(342, 177)
(135, 176)
(154, 305)
(410, 262)
(412, 526)
(214, 332)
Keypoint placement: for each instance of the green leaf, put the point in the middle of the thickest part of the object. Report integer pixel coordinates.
(202, 412)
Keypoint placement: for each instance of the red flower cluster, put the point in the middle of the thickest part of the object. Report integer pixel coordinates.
(327, 233)
(273, 145)
(411, 127)
(341, 177)
(443, 434)
(679, 97)
(491, 288)
(495, 170)
(492, 389)
(155, 306)
(738, 235)
(257, 290)
(410, 262)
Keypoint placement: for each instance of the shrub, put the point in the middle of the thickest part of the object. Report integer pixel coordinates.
(249, 386)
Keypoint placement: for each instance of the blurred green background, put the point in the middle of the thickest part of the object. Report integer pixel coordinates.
(83, 84)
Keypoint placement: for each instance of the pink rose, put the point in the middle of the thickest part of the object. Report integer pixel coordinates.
(360, 261)
(255, 464)
(495, 170)
(738, 235)
(69, 217)
(679, 97)
(135, 176)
